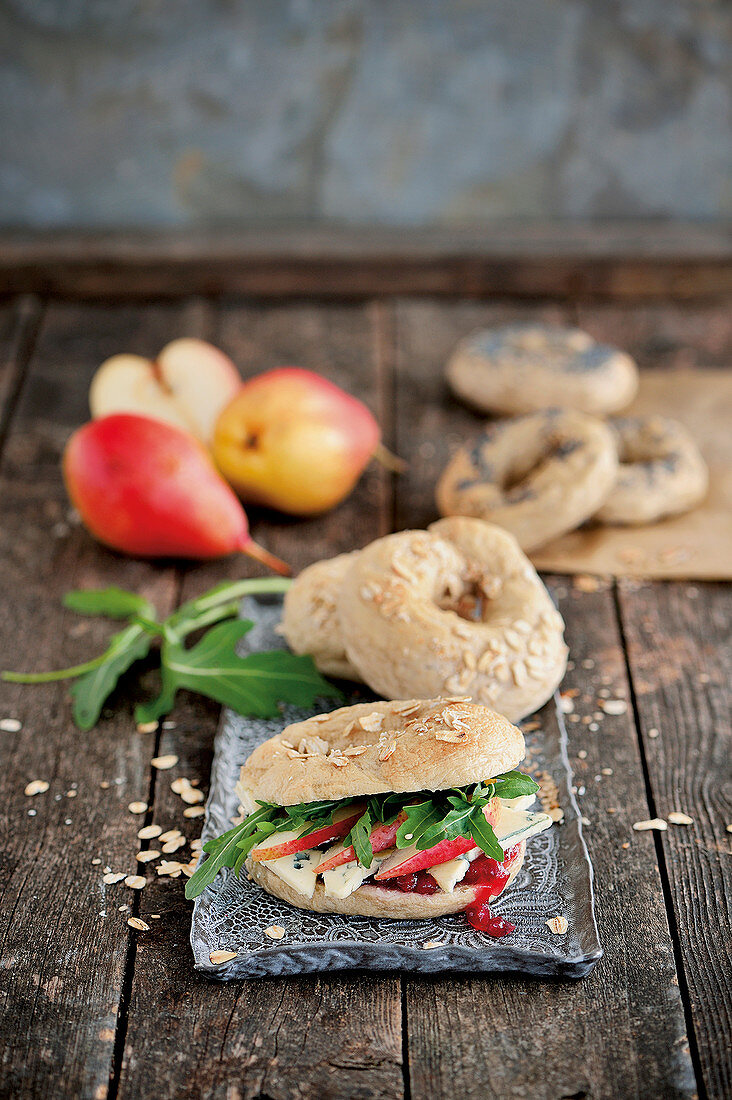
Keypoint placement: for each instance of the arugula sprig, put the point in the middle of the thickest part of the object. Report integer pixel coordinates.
(251, 685)
(438, 816)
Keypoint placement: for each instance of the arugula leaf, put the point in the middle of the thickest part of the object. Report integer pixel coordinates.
(229, 850)
(91, 690)
(113, 602)
(360, 838)
(514, 784)
(251, 685)
(484, 837)
(452, 825)
(420, 817)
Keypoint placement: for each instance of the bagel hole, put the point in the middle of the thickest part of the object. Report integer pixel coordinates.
(469, 605)
(526, 467)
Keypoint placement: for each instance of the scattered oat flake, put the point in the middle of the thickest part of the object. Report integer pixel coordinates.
(104, 785)
(173, 845)
(189, 869)
(218, 957)
(138, 924)
(729, 827)
(556, 814)
(625, 845)
(676, 817)
(135, 882)
(614, 706)
(36, 786)
(558, 925)
(96, 861)
(146, 727)
(148, 832)
(172, 834)
(653, 734)
(606, 771)
(169, 867)
(652, 823)
(71, 794)
(180, 784)
(190, 796)
(145, 857)
(155, 916)
(193, 811)
(275, 931)
(430, 944)
(566, 704)
(137, 807)
(113, 877)
(586, 583)
(10, 725)
(162, 763)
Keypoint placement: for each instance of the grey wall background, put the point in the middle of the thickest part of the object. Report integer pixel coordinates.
(398, 112)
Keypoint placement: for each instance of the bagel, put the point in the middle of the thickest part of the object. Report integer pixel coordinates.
(537, 476)
(377, 748)
(662, 472)
(399, 607)
(310, 619)
(523, 368)
(390, 767)
(371, 900)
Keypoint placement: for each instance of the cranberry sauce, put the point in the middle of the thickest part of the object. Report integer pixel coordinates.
(490, 878)
(418, 883)
(480, 917)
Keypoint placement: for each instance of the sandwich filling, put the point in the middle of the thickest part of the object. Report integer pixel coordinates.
(422, 842)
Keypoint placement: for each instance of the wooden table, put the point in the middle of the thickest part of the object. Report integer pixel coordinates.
(93, 1009)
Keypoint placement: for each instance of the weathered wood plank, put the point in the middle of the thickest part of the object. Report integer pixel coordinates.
(308, 1038)
(679, 648)
(621, 1031)
(555, 261)
(63, 942)
(19, 320)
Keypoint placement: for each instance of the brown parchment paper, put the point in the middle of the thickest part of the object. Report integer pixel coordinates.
(697, 545)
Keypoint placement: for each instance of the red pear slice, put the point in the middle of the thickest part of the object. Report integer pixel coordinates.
(324, 835)
(383, 836)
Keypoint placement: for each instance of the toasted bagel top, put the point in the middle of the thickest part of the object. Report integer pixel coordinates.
(379, 748)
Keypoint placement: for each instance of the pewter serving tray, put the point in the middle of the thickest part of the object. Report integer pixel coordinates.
(232, 914)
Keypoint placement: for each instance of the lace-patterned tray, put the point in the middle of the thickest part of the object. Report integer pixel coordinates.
(232, 914)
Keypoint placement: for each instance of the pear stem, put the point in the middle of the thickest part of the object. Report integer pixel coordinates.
(389, 460)
(254, 550)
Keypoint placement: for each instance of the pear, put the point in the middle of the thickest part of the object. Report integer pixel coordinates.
(292, 440)
(188, 385)
(147, 488)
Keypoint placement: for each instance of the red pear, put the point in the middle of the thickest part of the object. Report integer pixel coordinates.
(151, 490)
(292, 440)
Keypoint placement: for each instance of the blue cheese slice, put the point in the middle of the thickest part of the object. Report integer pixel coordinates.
(515, 825)
(342, 881)
(297, 870)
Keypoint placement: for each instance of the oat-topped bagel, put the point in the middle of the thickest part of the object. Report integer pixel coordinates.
(372, 748)
(310, 618)
(456, 609)
(662, 472)
(538, 476)
(522, 368)
(407, 809)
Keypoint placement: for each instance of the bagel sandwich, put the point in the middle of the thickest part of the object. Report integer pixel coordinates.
(409, 810)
